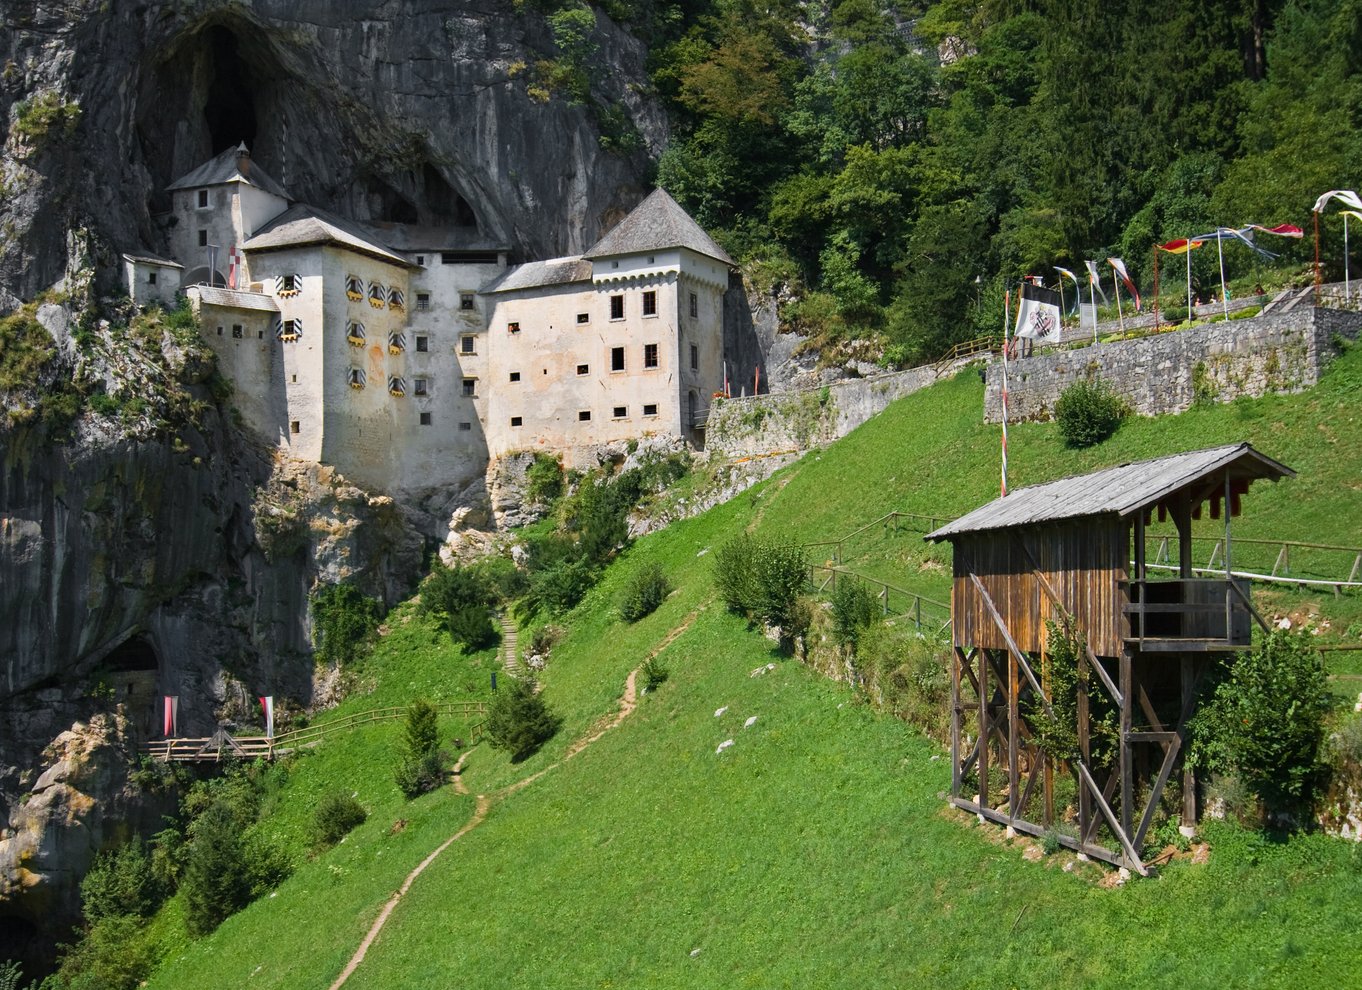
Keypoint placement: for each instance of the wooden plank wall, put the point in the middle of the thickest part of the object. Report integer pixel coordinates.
(1084, 562)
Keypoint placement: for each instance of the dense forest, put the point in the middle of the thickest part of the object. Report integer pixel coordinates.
(893, 165)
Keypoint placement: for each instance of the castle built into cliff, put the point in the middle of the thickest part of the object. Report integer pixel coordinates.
(408, 357)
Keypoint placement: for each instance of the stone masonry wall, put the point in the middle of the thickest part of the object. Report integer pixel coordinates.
(800, 420)
(1168, 372)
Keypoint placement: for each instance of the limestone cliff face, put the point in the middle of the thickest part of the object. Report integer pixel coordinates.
(435, 112)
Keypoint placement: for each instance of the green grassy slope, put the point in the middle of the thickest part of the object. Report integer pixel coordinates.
(817, 851)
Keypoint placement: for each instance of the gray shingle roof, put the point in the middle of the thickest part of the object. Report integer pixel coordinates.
(656, 224)
(1121, 490)
(225, 168)
(414, 237)
(302, 225)
(235, 298)
(534, 274)
(151, 259)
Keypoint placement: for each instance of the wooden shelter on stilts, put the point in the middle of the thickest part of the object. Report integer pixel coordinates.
(1070, 555)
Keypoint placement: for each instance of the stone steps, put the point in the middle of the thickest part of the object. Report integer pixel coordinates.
(510, 650)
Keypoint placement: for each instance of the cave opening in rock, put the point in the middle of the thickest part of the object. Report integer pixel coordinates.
(135, 653)
(229, 110)
(443, 201)
(25, 943)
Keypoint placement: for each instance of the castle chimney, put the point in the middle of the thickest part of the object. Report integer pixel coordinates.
(243, 160)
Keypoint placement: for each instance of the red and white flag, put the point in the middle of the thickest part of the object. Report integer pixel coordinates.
(1119, 267)
(232, 268)
(172, 716)
(1038, 314)
(267, 705)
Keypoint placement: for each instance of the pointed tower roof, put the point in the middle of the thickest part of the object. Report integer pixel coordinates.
(656, 224)
(232, 165)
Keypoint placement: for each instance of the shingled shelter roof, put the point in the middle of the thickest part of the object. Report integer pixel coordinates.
(1121, 490)
(656, 224)
(304, 225)
(225, 168)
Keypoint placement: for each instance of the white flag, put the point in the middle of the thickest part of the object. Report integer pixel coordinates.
(1038, 317)
(1345, 196)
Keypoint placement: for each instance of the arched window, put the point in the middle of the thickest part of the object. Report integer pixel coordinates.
(354, 333)
(377, 295)
(396, 299)
(357, 378)
(397, 386)
(354, 288)
(397, 343)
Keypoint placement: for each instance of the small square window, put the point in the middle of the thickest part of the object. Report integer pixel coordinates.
(584, 416)
(616, 307)
(650, 303)
(423, 300)
(466, 301)
(151, 278)
(470, 387)
(583, 369)
(650, 355)
(425, 419)
(260, 335)
(423, 343)
(219, 331)
(513, 328)
(237, 331)
(203, 238)
(617, 359)
(583, 318)
(419, 386)
(515, 376)
(515, 420)
(620, 412)
(421, 260)
(614, 264)
(295, 379)
(465, 427)
(652, 260)
(650, 409)
(694, 358)
(290, 284)
(466, 344)
(203, 199)
(295, 427)
(694, 305)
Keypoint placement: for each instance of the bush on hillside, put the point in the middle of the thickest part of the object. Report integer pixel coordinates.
(336, 816)
(344, 620)
(418, 768)
(519, 721)
(544, 479)
(1088, 412)
(121, 881)
(647, 589)
(472, 627)
(854, 609)
(116, 953)
(735, 575)
(764, 582)
(654, 673)
(216, 881)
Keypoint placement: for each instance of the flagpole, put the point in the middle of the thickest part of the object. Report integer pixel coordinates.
(1191, 313)
(1317, 278)
(1347, 282)
(1220, 247)
(1061, 292)
(1116, 285)
(1092, 301)
(1156, 289)
(1007, 305)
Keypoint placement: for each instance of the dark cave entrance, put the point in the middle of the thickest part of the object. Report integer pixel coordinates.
(132, 655)
(133, 670)
(25, 943)
(229, 110)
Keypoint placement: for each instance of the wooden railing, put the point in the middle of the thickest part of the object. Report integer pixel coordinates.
(909, 603)
(964, 349)
(1347, 558)
(1190, 614)
(922, 523)
(222, 745)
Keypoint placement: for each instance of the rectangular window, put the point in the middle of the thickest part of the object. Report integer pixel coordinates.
(465, 427)
(219, 331)
(617, 359)
(203, 199)
(423, 300)
(650, 409)
(515, 376)
(616, 307)
(584, 416)
(650, 355)
(466, 345)
(260, 335)
(583, 318)
(694, 306)
(290, 283)
(423, 343)
(151, 278)
(583, 369)
(237, 332)
(203, 238)
(419, 386)
(650, 303)
(421, 260)
(425, 419)
(694, 358)
(620, 412)
(295, 427)
(513, 328)
(466, 301)
(516, 421)
(470, 387)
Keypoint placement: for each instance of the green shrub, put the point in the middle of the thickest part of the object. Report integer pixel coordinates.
(120, 882)
(418, 768)
(472, 626)
(519, 721)
(854, 609)
(765, 581)
(343, 622)
(116, 953)
(336, 815)
(216, 881)
(1088, 412)
(655, 674)
(37, 116)
(544, 479)
(735, 574)
(647, 589)
(545, 638)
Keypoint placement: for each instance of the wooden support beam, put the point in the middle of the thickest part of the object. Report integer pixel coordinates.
(1127, 770)
(1013, 735)
(1030, 828)
(1189, 815)
(1170, 756)
(1122, 835)
(957, 661)
(982, 685)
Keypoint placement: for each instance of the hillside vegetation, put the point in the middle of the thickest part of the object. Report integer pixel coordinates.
(817, 849)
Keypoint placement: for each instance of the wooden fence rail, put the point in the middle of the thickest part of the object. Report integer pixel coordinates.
(1280, 571)
(916, 521)
(222, 745)
(911, 604)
